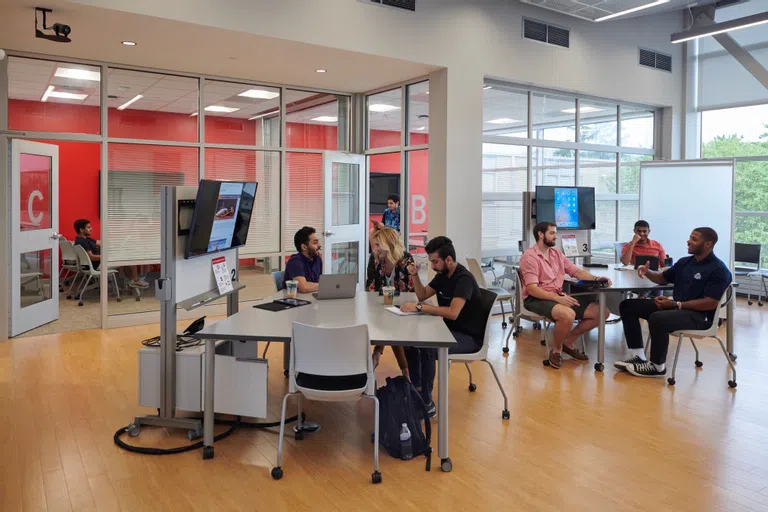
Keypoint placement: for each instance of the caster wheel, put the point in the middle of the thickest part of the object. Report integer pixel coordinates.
(69, 297)
(505, 350)
(731, 384)
(699, 364)
(733, 357)
(299, 436)
(543, 343)
(749, 302)
(503, 325)
(671, 381)
(505, 414)
(446, 465)
(134, 430)
(277, 473)
(515, 334)
(376, 477)
(473, 387)
(194, 434)
(599, 367)
(138, 299)
(285, 373)
(207, 452)
(760, 304)
(80, 304)
(537, 326)
(545, 362)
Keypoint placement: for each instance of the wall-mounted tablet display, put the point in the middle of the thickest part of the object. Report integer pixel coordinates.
(566, 207)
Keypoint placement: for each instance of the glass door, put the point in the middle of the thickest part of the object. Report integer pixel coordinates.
(345, 216)
(34, 235)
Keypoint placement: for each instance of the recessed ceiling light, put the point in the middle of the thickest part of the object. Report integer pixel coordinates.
(582, 110)
(503, 120)
(325, 119)
(130, 102)
(129, 43)
(78, 74)
(222, 109)
(487, 87)
(259, 94)
(381, 107)
(321, 71)
(52, 93)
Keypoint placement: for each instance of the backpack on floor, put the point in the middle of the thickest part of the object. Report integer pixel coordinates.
(400, 402)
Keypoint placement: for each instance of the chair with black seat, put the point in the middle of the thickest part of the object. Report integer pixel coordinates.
(501, 294)
(330, 364)
(747, 260)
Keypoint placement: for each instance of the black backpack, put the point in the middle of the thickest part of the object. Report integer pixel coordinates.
(400, 402)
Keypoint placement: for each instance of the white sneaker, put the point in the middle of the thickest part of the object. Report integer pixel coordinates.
(622, 365)
(143, 283)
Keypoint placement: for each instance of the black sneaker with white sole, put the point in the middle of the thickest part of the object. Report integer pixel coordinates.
(431, 409)
(622, 365)
(646, 369)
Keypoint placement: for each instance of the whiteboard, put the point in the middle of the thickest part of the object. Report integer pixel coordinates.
(678, 196)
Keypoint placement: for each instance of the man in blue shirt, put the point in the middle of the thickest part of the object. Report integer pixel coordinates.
(700, 281)
(391, 216)
(306, 265)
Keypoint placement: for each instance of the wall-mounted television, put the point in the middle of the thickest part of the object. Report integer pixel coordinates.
(566, 207)
(221, 217)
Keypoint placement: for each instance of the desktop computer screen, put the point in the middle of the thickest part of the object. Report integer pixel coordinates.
(566, 207)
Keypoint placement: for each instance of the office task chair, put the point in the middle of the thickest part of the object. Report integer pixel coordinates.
(488, 267)
(487, 299)
(86, 267)
(750, 254)
(277, 276)
(501, 294)
(69, 266)
(28, 275)
(523, 313)
(706, 333)
(330, 364)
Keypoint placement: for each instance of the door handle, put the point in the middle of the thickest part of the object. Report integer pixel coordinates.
(55, 236)
(328, 233)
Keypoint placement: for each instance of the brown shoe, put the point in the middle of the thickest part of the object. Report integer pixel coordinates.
(576, 354)
(555, 360)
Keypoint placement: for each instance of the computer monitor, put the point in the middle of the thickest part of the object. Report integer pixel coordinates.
(222, 216)
(566, 207)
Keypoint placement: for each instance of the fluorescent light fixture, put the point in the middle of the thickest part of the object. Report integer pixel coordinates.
(420, 128)
(260, 94)
(265, 114)
(381, 107)
(78, 74)
(129, 43)
(130, 102)
(193, 114)
(719, 28)
(51, 92)
(221, 108)
(634, 9)
(325, 119)
(321, 71)
(503, 120)
(487, 87)
(582, 110)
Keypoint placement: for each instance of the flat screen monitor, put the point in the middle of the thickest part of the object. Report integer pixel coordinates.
(566, 207)
(222, 216)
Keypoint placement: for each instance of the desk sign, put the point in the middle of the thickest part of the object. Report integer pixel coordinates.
(221, 275)
(570, 247)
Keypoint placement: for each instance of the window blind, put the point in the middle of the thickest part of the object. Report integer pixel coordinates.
(303, 194)
(260, 166)
(502, 225)
(133, 196)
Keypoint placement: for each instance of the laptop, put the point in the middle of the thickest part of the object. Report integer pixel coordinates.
(641, 260)
(336, 286)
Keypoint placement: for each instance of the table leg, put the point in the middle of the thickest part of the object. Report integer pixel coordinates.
(599, 365)
(210, 351)
(442, 411)
(729, 322)
(286, 358)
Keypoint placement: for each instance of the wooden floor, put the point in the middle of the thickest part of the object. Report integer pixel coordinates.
(577, 440)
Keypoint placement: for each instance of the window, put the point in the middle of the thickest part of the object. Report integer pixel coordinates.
(502, 225)
(597, 169)
(505, 112)
(637, 127)
(303, 195)
(385, 175)
(385, 118)
(48, 96)
(629, 173)
(553, 167)
(554, 117)
(505, 168)
(418, 114)
(629, 213)
(247, 115)
(418, 205)
(316, 120)
(604, 233)
(598, 122)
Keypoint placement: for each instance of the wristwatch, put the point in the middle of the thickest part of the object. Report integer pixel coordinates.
(679, 304)
(418, 307)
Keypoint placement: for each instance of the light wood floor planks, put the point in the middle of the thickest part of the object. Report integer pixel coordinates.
(577, 440)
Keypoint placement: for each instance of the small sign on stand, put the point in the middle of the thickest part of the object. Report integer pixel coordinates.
(221, 275)
(570, 246)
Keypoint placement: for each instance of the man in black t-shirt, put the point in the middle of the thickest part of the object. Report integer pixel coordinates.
(458, 303)
(92, 247)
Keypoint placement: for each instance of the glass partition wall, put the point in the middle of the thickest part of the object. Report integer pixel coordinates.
(539, 137)
(150, 128)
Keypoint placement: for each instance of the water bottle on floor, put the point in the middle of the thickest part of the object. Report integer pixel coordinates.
(405, 442)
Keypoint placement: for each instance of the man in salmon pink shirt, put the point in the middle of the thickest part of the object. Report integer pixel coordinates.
(641, 245)
(543, 270)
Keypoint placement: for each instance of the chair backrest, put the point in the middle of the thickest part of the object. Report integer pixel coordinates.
(618, 247)
(487, 301)
(747, 253)
(83, 260)
(67, 250)
(519, 298)
(330, 352)
(278, 276)
(477, 272)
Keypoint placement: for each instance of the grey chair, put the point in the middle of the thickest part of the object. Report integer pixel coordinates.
(502, 295)
(279, 276)
(92, 275)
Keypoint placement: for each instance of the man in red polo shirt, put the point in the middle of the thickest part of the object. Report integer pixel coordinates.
(641, 245)
(543, 270)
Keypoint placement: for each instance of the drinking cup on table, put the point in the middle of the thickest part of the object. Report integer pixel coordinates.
(291, 289)
(389, 295)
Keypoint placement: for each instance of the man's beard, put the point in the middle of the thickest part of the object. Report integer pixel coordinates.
(550, 244)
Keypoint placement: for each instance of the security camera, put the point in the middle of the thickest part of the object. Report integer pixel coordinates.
(2, 54)
(60, 31)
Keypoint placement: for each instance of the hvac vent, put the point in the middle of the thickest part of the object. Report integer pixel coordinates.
(408, 5)
(538, 31)
(652, 59)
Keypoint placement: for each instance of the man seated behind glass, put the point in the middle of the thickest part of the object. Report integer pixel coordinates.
(93, 248)
(391, 216)
(306, 265)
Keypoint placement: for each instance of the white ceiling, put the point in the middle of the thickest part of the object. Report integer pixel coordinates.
(595, 9)
(172, 45)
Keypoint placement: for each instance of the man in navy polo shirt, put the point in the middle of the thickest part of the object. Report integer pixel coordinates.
(306, 265)
(700, 281)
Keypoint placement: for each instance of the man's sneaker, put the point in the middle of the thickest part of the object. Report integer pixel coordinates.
(646, 369)
(555, 360)
(431, 409)
(575, 354)
(622, 365)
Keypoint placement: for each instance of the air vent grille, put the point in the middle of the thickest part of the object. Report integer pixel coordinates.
(652, 59)
(408, 5)
(538, 31)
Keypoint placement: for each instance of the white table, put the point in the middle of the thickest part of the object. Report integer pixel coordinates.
(384, 328)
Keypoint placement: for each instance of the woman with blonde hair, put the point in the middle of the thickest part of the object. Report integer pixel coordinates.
(390, 269)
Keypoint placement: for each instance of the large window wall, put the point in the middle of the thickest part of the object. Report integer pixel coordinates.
(150, 128)
(537, 137)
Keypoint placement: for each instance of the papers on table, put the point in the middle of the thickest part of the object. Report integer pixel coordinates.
(626, 267)
(395, 310)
